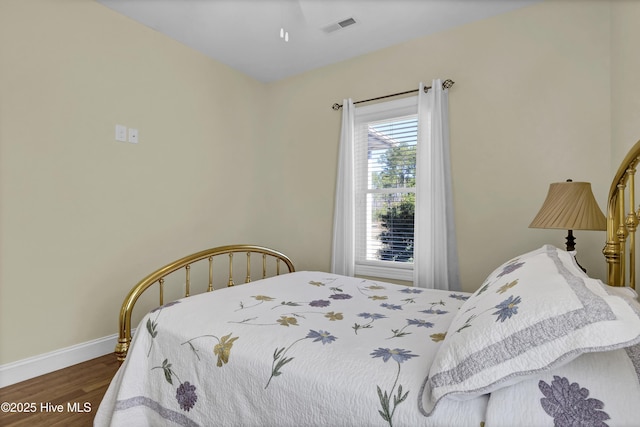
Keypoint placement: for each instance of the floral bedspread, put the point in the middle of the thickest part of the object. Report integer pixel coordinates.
(301, 349)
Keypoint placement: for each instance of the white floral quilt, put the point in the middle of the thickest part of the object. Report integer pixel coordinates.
(301, 349)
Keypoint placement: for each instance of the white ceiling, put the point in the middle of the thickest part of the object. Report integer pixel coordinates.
(245, 34)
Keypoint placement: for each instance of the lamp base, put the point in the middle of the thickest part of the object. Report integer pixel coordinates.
(571, 246)
(571, 241)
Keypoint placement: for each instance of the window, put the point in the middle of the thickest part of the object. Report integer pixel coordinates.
(385, 186)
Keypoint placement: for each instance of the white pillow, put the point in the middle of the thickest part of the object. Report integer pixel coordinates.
(620, 291)
(534, 313)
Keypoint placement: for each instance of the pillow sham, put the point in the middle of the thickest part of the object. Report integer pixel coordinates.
(533, 313)
(595, 389)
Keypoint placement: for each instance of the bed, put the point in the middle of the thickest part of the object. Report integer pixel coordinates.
(539, 343)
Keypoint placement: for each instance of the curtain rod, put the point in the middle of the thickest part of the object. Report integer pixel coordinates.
(445, 85)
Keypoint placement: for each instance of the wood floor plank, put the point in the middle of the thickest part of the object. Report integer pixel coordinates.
(72, 387)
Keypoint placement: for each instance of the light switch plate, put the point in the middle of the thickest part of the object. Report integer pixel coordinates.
(133, 135)
(121, 133)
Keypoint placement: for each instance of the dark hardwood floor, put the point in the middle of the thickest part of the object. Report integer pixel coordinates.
(68, 397)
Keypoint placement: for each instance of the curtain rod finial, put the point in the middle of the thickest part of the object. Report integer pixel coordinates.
(336, 106)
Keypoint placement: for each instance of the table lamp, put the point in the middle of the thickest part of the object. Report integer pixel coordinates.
(570, 206)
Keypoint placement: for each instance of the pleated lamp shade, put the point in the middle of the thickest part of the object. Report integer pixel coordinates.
(570, 206)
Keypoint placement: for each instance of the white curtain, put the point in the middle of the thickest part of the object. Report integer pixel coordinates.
(435, 254)
(343, 253)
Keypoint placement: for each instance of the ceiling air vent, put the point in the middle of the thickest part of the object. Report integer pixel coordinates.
(347, 22)
(339, 25)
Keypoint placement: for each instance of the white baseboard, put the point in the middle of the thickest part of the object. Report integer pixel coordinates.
(32, 367)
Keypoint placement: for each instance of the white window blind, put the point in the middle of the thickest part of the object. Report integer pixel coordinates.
(385, 164)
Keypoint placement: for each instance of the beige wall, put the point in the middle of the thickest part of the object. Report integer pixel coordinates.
(225, 159)
(85, 217)
(625, 77)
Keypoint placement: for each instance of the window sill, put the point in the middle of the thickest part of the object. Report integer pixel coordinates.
(385, 272)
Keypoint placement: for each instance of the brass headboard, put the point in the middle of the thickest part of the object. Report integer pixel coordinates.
(185, 263)
(622, 223)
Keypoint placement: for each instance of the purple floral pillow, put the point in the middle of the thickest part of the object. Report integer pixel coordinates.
(596, 389)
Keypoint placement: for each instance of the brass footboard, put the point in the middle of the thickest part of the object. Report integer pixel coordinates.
(622, 223)
(267, 257)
